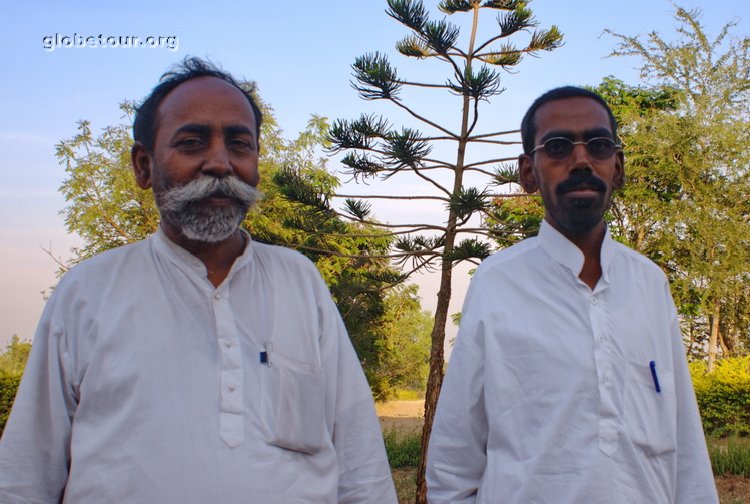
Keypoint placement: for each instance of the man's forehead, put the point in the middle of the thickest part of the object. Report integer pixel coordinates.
(576, 115)
(209, 97)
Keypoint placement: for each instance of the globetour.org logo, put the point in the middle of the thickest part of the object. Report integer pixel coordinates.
(78, 41)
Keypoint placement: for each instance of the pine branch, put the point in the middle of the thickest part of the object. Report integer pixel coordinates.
(377, 78)
(410, 13)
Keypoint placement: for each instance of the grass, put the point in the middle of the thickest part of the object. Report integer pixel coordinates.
(730, 456)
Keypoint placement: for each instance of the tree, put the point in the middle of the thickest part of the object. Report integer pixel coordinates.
(12, 363)
(372, 148)
(107, 210)
(698, 146)
(404, 347)
(13, 359)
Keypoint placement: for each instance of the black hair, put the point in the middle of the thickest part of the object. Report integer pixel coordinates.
(145, 122)
(528, 125)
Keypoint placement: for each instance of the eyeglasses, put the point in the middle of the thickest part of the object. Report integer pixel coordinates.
(561, 147)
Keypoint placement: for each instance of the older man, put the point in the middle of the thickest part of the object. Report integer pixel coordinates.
(195, 366)
(568, 382)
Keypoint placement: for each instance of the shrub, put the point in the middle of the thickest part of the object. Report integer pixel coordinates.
(402, 448)
(8, 387)
(724, 396)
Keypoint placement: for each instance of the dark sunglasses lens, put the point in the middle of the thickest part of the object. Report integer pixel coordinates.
(558, 148)
(601, 148)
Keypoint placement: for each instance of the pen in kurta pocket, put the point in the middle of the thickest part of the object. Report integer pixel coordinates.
(652, 365)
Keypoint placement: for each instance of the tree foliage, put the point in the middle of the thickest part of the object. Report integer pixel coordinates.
(686, 205)
(461, 189)
(404, 348)
(13, 358)
(12, 363)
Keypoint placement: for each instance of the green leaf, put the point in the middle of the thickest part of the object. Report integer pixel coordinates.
(413, 46)
(440, 36)
(470, 248)
(360, 209)
(376, 77)
(452, 6)
(408, 12)
(468, 201)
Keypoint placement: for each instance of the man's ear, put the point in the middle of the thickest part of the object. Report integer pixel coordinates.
(526, 176)
(142, 163)
(619, 178)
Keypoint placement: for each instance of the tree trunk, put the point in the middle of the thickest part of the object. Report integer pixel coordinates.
(713, 339)
(435, 379)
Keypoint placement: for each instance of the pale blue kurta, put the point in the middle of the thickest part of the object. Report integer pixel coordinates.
(145, 385)
(549, 396)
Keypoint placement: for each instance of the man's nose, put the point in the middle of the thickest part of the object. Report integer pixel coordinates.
(217, 162)
(580, 157)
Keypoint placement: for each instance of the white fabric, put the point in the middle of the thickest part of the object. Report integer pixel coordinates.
(145, 385)
(548, 396)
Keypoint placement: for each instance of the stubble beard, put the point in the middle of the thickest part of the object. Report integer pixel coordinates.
(183, 207)
(580, 216)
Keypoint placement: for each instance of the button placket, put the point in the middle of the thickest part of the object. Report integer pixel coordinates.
(607, 409)
(231, 418)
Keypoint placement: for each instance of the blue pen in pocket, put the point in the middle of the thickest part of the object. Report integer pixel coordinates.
(652, 365)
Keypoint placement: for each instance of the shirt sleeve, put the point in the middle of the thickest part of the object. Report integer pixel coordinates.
(457, 452)
(695, 480)
(34, 450)
(364, 473)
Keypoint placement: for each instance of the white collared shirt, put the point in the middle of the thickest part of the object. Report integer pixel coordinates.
(148, 385)
(549, 395)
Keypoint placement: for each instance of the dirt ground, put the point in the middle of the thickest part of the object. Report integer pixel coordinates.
(405, 416)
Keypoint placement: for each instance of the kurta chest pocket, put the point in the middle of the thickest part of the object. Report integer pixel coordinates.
(293, 404)
(651, 416)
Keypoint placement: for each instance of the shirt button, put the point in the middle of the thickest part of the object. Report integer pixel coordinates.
(217, 296)
(594, 300)
(231, 388)
(227, 343)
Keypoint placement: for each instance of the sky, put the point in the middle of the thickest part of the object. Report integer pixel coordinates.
(298, 52)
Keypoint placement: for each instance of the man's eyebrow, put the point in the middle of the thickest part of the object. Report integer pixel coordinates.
(238, 129)
(200, 129)
(590, 133)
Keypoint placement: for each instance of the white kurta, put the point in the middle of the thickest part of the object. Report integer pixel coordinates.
(549, 395)
(148, 385)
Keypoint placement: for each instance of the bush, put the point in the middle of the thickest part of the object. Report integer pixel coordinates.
(724, 396)
(8, 387)
(402, 448)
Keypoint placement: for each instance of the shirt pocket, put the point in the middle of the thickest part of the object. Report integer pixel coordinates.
(293, 404)
(650, 416)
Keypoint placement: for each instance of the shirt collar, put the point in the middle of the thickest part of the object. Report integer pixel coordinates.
(188, 262)
(568, 254)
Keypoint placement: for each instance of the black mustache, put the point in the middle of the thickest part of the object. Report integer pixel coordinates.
(581, 179)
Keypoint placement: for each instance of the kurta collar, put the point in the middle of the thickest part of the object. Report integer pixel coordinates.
(568, 254)
(188, 262)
